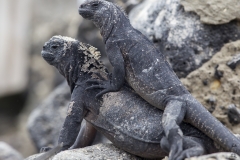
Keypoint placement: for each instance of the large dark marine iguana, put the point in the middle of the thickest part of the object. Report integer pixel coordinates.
(123, 117)
(135, 59)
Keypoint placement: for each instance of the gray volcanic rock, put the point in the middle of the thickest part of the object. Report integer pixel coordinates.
(180, 35)
(110, 152)
(214, 11)
(46, 120)
(8, 153)
(96, 152)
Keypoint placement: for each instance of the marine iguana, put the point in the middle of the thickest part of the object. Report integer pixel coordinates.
(123, 117)
(146, 70)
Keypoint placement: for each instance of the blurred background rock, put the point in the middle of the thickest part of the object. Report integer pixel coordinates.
(187, 42)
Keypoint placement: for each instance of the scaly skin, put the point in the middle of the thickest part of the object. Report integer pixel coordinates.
(135, 59)
(123, 117)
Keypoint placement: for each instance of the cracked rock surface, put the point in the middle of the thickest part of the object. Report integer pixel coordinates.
(214, 11)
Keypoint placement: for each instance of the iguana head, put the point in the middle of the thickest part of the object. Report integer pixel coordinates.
(105, 15)
(94, 9)
(56, 50)
(73, 58)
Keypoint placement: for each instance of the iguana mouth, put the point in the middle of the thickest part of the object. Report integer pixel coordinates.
(85, 13)
(49, 57)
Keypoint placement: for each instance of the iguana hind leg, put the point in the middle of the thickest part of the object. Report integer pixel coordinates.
(85, 137)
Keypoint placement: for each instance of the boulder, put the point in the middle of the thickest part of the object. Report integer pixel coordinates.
(180, 36)
(214, 11)
(216, 85)
(8, 153)
(109, 151)
(46, 120)
(95, 152)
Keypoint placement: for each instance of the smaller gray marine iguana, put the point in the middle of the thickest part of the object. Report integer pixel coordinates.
(128, 121)
(146, 70)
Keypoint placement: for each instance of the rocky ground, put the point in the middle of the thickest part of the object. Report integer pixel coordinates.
(205, 56)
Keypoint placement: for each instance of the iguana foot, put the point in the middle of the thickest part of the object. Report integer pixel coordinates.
(105, 85)
(175, 150)
(192, 152)
(45, 149)
(176, 144)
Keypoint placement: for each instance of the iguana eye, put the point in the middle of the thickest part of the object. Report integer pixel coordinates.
(95, 4)
(54, 46)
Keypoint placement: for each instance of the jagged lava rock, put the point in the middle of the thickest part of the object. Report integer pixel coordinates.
(180, 35)
(8, 153)
(215, 91)
(214, 11)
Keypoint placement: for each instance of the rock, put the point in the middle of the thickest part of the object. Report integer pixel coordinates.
(95, 152)
(109, 151)
(214, 11)
(217, 156)
(234, 61)
(46, 121)
(8, 153)
(33, 157)
(180, 35)
(219, 93)
(233, 114)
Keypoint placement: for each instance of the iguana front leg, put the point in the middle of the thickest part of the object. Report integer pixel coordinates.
(172, 117)
(116, 81)
(72, 123)
(85, 137)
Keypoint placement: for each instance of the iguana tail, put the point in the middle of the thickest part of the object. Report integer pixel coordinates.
(50, 153)
(199, 117)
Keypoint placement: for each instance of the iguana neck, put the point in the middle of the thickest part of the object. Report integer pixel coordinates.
(73, 75)
(82, 66)
(113, 24)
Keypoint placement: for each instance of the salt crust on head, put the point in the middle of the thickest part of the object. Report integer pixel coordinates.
(92, 50)
(65, 38)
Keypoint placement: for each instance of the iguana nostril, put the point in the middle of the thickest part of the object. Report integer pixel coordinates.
(81, 6)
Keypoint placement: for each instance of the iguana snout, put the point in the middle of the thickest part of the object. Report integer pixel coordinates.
(49, 57)
(88, 9)
(55, 51)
